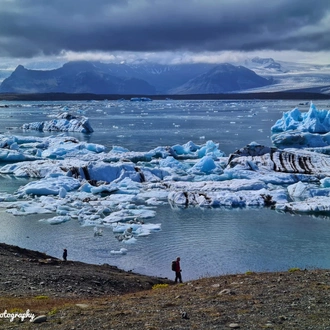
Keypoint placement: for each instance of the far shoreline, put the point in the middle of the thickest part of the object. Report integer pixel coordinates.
(288, 95)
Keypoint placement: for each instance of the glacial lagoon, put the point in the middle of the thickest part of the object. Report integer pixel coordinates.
(210, 241)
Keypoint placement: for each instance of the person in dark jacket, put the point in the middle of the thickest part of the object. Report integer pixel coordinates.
(178, 271)
(65, 254)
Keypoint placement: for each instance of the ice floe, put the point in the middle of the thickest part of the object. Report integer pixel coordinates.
(64, 122)
(101, 188)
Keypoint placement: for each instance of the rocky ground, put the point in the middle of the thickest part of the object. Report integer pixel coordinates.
(73, 295)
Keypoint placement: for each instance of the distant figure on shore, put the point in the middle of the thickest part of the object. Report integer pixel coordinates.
(178, 270)
(65, 254)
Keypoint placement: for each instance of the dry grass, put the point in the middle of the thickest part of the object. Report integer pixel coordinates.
(21, 304)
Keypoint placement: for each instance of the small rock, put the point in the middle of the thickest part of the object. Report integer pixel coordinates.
(234, 325)
(40, 319)
(82, 305)
(184, 315)
(226, 291)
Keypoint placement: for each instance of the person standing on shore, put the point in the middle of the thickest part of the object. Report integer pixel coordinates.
(65, 254)
(178, 276)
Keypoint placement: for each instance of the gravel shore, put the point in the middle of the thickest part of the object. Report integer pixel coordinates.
(75, 295)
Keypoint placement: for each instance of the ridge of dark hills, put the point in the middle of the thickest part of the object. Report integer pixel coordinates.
(223, 79)
(101, 78)
(77, 77)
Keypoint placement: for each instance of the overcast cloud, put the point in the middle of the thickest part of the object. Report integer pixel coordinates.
(30, 28)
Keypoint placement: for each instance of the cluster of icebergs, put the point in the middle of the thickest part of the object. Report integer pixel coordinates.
(83, 181)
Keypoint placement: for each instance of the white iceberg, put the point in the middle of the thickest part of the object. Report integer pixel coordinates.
(64, 122)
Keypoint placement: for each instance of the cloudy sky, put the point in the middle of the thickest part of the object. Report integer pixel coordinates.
(168, 31)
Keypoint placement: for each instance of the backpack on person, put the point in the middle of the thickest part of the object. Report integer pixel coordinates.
(174, 265)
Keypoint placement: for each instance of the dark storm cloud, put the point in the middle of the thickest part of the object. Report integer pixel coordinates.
(34, 27)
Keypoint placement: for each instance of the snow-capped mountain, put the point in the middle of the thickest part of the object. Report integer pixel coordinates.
(290, 76)
(141, 77)
(224, 78)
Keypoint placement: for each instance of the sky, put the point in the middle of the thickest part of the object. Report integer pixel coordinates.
(165, 31)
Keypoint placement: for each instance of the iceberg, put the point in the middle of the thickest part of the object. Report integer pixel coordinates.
(64, 122)
(302, 130)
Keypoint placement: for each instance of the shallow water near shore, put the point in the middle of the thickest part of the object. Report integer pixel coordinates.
(209, 241)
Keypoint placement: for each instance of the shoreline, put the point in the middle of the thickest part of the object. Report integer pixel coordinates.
(72, 294)
(45, 273)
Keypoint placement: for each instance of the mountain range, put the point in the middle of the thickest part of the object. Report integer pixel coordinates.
(143, 78)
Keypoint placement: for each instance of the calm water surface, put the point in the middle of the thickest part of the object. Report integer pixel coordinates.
(209, 241)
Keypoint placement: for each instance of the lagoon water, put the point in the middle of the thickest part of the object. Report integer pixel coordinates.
(209, 241)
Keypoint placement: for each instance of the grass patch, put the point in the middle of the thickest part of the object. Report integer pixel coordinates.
(41, 297)
(54, 311)
(21, 304)
(294, 269)
(16, 310)
(159, 286)
(249, 272)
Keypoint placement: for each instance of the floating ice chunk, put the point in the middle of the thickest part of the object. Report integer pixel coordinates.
(311, 205)
(98, 231)
(298, 139)
(172, 163)
(154, 201)
(57, 220)
(325, 183)
(296, 129)
(110, 188)
(191, 150)
(4, 197)
(7, 155)
(131, 240)
(27, 208)
(206, 165)
(14, 146)
(141, 99)
(50, 186)
(179, 150)
(64, 122)
(121, 251)
(137, 228)
(220, 199)
(289, 121)
(129, 214)
(298, 190)
(118, 149)
(62, 192)
(210, 149)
